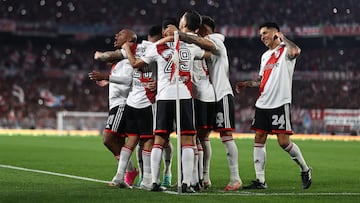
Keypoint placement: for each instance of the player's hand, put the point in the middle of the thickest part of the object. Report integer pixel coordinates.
(97, 55)
(279, 35)
(151, 85)
(102, 83)
(240, 86)
(165, 40)
(170, 29)
(96, 75)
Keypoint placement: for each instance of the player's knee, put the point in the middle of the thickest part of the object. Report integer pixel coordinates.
(284, 145)
(107, 140)
(131, 142)
(202, 133)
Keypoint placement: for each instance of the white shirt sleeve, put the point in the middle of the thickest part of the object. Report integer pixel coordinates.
(124, 79)
(199, 53)
(150, 54)
(124, 76)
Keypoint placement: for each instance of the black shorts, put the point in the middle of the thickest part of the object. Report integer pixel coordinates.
(115, 123)
(224, 114)
(273, 121)
(204, 114)
(139, 122)
(166, 117)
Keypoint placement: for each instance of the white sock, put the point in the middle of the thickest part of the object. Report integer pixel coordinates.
(232, 156)
(167, 157)
(207, 157)
(297, 156)
(123, 162)
(139, 158)
(259, 161)
(146, 166)
(187, 159)
(156, 154)
(195, 174)
(201, 161)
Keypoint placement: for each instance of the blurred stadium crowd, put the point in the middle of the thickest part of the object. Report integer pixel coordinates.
(146, 12)
(42, 74)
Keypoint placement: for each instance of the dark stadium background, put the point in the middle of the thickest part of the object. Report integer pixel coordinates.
(47, 49)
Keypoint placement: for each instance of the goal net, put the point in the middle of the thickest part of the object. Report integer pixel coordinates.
(79, 120)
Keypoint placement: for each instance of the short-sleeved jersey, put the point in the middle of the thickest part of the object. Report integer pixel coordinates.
(163, 55)
(276, 70)
(119, 92)
(218, 66)
(140, 95)
(203, 90)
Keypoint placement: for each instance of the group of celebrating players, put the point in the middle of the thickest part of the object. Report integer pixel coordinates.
(143, 95)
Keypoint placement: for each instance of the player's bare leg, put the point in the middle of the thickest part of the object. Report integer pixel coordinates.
(113, 143)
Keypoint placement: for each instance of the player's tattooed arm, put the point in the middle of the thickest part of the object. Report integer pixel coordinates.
(294, 50)
(108, 56)
(192, 39)
(200, 41)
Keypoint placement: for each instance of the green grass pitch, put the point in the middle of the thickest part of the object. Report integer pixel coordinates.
(336, 172)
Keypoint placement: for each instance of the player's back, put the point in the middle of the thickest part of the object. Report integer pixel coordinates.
(119, 92)
(218, 66)
(166, 69)
(140, 96)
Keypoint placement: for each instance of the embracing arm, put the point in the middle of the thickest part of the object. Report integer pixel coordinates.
(108, 56)
(200, 41)
(191, 39)
(97, 76)
(136, 63)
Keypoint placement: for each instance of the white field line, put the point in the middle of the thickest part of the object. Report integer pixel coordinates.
(52, 173)
(242, 193)
(237, 193)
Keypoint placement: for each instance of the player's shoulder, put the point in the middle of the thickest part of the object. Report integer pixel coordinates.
(216, 37)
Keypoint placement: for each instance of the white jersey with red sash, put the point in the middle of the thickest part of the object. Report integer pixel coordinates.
(276, 70)
(140, 95)
(163, 54)
(203, 90)
(118, 93)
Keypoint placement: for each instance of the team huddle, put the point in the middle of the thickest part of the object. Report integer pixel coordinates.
(143, 96)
